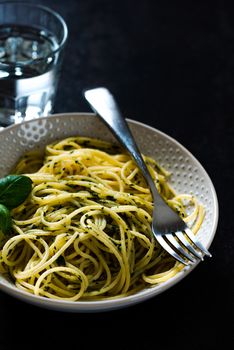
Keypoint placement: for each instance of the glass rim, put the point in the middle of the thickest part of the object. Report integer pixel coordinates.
(48, 10)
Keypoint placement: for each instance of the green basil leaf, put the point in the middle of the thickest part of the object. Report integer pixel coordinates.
(14, 189)
(5, 219)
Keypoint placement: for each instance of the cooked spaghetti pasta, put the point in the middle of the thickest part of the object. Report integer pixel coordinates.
(84, 233)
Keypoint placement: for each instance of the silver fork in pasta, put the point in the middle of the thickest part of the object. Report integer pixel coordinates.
(169, 229)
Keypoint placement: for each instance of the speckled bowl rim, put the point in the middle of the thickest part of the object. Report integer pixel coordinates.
(122, 302)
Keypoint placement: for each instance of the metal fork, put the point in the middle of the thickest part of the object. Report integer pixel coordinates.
(171, 232)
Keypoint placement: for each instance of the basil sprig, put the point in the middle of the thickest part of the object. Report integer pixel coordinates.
(5, 219)
(14, 189)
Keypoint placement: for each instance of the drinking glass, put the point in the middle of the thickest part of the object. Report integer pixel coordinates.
(32, 40)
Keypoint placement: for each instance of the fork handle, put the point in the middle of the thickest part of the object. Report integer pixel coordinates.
(104, 104)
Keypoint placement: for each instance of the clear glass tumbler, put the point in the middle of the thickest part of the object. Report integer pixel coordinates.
(32, 39)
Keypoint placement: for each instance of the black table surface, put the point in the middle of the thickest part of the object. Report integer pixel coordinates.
(170, 64)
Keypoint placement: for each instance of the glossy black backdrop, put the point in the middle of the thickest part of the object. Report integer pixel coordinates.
(170, 64)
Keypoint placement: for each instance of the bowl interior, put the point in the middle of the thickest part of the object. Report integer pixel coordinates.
(187, 176)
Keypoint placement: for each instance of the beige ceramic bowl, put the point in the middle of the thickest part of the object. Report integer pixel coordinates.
(188, 176)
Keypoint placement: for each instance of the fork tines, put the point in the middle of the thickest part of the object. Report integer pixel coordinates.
(183, 246)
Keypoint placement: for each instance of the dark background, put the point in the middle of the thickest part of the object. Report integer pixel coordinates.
(170, 64)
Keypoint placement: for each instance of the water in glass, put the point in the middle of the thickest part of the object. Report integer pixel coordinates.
(28, 73)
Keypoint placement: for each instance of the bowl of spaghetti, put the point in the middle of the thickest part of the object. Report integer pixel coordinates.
(81, 241)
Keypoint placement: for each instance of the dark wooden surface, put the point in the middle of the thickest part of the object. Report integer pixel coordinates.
(170, 64)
